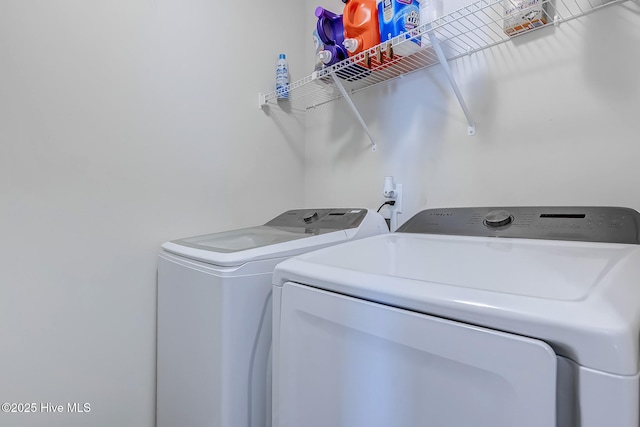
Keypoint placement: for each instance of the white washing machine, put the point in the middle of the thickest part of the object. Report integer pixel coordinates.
(214, 314)
(483, 317)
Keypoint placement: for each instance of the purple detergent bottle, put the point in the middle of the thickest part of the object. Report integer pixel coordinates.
(332, 54)
(330, 27)
(331, 31)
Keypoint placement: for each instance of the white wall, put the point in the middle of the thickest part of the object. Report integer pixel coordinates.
(556, 114)
(124, 124)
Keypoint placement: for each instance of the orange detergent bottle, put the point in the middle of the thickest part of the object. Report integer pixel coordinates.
(361, 25)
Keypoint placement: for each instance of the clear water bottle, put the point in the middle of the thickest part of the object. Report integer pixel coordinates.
(282, 78)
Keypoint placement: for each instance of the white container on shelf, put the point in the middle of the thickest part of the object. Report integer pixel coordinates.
(282, 77)
(430, 10)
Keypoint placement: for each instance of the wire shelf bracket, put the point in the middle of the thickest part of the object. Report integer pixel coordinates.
(354, 109)
(471, 129)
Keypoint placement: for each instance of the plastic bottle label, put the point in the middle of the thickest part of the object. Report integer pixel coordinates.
(282, 81)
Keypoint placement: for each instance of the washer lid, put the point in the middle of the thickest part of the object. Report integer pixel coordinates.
(242, 239)
(583, 298)
(288, 234)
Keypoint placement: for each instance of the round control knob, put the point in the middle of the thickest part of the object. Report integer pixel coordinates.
(498, 218)
(310, 217)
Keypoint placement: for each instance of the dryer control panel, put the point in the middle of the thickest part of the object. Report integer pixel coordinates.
(578, 223)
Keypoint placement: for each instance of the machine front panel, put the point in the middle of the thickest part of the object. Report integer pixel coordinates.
(345, 362)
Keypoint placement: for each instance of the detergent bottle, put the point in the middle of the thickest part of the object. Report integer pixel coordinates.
(330, 30)
(398, 17)
(282, 78)
(329, 27)
(319, 47)
(332, 54)
(361, 25)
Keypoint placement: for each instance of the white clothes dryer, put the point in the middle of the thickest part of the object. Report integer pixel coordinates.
(483, 317)
(214, 314)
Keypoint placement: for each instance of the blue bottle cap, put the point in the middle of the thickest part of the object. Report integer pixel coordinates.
(282, 56)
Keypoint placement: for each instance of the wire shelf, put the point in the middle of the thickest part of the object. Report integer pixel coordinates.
(478, 26)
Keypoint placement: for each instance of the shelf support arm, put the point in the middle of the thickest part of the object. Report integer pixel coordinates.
(471, 130)
(355, 111)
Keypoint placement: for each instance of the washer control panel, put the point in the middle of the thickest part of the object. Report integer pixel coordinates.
(578, 223)
(323, 219)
